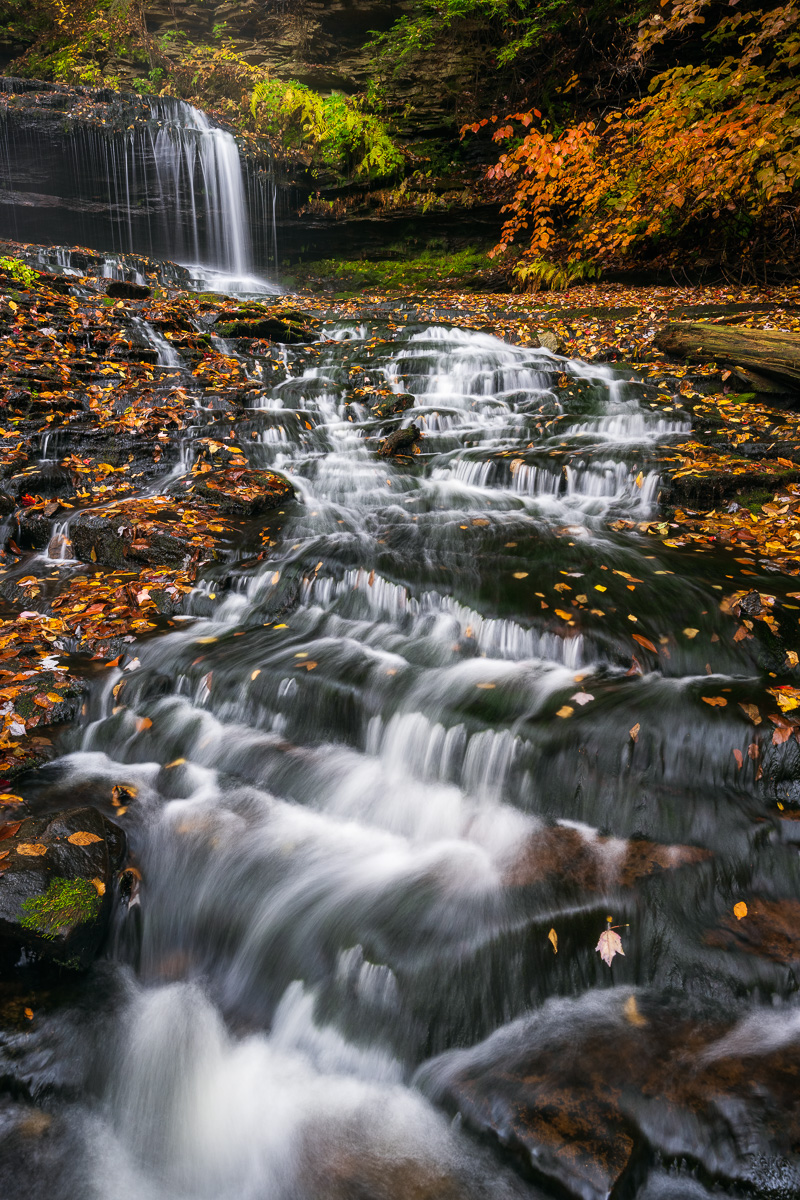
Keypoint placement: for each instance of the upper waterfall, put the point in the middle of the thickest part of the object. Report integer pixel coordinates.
(125, 174)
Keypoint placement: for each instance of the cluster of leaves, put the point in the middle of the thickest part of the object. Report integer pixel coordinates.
(342, 135)
(712, 145)
(19, 271)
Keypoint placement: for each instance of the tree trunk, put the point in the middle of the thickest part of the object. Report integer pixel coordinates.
(766, 356)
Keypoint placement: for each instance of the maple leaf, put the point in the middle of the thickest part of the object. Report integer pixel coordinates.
(609, 944)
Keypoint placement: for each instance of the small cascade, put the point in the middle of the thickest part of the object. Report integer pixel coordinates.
(168, 356)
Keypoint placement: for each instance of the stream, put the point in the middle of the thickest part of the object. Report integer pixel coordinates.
(371, 774)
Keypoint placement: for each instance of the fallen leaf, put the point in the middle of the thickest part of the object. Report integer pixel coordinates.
(565, 711)
(737, 754)
(635, 731)
(552, 938)
(740, 910)
(631, 1009)
(99, 886)
(83, 838)
(582, 697)
(691, 633)
(31, 849)
(643, 641)
(752, 711)
(608, 945)
(714, 701)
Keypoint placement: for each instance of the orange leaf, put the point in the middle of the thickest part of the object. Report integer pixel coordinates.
(31, 849)
(643, 641)
(83, 838)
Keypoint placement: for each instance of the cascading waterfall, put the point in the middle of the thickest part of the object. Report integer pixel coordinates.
(167, 183)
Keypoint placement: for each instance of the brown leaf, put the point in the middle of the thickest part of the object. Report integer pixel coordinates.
(737, 754)
(31, 849)
(643, 641)
(552, 938)
(635, 731)
(9, 829)
(714, 701)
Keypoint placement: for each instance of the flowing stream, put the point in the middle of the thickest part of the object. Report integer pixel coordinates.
(380, 764)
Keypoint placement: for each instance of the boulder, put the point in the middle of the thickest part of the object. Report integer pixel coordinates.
(120, 289)
(402, 441)
(242, 491)
(57, 877)
(582, 1089)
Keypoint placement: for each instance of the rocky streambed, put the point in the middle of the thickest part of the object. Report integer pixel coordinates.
(390, 816)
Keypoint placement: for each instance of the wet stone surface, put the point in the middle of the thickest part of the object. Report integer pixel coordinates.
(395, 743)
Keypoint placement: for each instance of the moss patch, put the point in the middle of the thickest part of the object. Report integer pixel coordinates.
(67, 902)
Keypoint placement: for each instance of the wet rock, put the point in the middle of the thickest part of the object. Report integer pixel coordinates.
(242, 491)
(770, 929)
(564, 855)
(583, 1087)
(402, 441)
(287, 326)
(550, 341)
(119, 289)
(56, 884)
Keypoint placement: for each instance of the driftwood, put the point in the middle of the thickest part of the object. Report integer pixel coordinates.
(401, 441)
(768, 358)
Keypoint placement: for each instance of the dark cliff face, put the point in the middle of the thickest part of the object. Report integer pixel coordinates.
(323, 43)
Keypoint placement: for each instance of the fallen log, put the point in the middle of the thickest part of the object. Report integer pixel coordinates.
(768, 358)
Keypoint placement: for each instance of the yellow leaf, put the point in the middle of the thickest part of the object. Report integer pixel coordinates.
(256, 673)
(83, 838)
(562, 612)
(54, 697)
(486, 687)
(93, 555)
(565, 711)
(552, 938)
(740, 910)
(99, 887)
(176, 762)
(599, 587)
(276, 577)
(631, 1011)
(10, 798)
(520, 574)
(714, 701)
(31, 849)
(635, 731)
(28, 1013)
(143, 723)
(690, 633)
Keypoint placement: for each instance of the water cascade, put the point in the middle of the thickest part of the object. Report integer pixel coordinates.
(378, 764)
(155, 178)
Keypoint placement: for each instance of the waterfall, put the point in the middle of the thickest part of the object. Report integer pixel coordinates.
(155, 177)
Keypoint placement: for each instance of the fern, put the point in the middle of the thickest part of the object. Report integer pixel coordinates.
(539, 275)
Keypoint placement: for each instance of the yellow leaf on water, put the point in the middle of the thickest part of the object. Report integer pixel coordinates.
(176, 762)
(740, 910)
(10, 798)
(635, 731)
(631, 1011)
(562, 612)
(93, 555)
(256, 673)
(143, 723)
(99, 886)
(520, 574)
(690, 633)
(486, 687)
(714, 701)
(565, 711)
(276, 577)
(552, 938)
(31, 849)
(83, 838)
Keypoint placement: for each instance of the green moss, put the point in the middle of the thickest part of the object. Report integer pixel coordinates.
(66, 902)
(430, 269)
(755, 500)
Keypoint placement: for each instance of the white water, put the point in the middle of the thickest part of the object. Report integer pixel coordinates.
(350, 757)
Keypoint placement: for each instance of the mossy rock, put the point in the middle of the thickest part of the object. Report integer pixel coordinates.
(57, 880)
